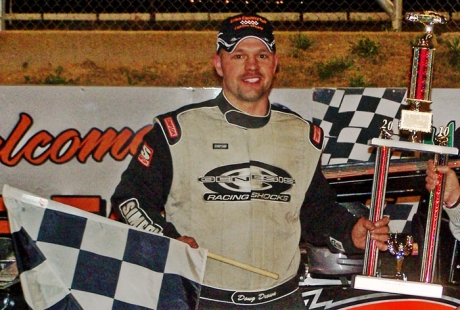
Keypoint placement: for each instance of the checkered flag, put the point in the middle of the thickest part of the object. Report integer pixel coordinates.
(72, 259)
(401, 215)
(353, 116)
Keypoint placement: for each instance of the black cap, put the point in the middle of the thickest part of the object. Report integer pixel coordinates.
(235, 29)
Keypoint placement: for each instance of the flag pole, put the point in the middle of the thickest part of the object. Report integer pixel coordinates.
(244, 266)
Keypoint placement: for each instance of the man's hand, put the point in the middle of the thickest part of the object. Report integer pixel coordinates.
(379, 232)
(451, 185)
(189, 240)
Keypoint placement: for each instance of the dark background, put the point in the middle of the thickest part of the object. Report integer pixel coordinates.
(159, 6)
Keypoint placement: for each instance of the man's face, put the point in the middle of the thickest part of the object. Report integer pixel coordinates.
(247, 73)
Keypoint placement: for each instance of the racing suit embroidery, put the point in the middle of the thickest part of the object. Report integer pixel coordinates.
(137, 217)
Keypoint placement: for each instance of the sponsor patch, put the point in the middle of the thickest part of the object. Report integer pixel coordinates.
(317, 135)
(337, 244)
(243, 182)
(145, 156)
(171, 127)
(135, 216)
(220, 146)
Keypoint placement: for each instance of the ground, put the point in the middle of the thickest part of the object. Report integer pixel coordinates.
(184, 58)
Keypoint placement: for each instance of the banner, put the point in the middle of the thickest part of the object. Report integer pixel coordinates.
(80, 139)
(71, 259)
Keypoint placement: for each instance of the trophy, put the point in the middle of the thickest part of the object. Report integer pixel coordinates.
(415, 121)
(400, 250)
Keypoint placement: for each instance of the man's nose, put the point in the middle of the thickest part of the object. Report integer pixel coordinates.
(252, 63)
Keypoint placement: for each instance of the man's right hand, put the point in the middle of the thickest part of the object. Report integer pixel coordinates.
(189, 240)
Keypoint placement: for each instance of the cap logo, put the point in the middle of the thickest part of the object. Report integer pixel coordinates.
(249, 22)
(240, 27)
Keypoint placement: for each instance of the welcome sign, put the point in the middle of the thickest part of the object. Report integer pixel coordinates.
(61, 140)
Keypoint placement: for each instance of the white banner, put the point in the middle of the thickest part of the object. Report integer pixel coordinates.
(70, 140)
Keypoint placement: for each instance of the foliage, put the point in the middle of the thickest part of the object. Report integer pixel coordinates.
(301, 42)
(365, 48)
(51, 79)
(333, 67)
(57, 78)
(453, 51)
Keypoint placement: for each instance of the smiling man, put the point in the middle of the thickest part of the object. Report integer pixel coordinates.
(242, 178)
(247, 66)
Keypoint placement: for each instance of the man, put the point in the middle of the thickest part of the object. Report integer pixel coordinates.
(242, 178)
(451, 193)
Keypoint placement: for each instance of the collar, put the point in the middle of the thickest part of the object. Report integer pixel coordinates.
(240, 118)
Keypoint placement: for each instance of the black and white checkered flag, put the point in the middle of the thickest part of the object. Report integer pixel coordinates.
(72, 259)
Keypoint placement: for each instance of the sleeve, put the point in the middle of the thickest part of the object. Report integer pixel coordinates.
(142, 192)
(454, 218)
(324, 222)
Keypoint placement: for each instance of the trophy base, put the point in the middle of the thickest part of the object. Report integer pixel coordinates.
(361, 282)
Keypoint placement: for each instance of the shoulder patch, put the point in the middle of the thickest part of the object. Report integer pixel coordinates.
(171, 127)
(145, 155)
(316, 136)
(169, 122)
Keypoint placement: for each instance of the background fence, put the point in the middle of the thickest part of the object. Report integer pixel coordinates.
(335, 15)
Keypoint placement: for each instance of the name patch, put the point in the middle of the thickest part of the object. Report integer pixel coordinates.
(220, 146)
(254, 298)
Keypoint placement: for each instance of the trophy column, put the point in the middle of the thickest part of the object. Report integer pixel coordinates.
(382, 163)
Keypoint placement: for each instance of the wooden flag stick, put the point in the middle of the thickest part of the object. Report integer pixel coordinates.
(243, 265)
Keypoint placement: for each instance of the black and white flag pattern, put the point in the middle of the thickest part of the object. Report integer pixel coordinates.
(350, 117)
(72, 259)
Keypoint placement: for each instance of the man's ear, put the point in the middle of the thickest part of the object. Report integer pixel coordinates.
(276, 64)
(218, 64)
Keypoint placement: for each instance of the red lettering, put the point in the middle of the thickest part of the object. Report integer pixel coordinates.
(57, 153)
(40, 140)
(67, 145)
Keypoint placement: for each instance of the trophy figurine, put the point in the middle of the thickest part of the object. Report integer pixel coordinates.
(400, 250)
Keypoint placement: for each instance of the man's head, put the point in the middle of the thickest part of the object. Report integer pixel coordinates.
(237, 28)
(246, 60)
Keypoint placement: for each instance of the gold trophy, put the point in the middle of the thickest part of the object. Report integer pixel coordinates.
(400, 250)
(413, 120)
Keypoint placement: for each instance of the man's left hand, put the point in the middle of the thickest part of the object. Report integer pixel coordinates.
(379, 232)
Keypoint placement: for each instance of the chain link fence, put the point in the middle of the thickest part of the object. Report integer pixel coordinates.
(290, 15)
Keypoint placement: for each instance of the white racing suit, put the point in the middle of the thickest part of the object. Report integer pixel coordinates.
(244, 187)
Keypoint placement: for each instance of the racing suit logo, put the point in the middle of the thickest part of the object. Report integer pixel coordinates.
(135, 216)
(145, 155)
(251, 181)
(171, 127)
